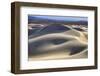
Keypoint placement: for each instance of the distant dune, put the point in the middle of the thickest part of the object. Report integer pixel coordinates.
(57, 41)
(57, 19)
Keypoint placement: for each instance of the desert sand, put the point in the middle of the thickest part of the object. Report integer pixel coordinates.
(67, 43)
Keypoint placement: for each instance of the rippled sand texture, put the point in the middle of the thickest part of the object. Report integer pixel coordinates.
(62, 42)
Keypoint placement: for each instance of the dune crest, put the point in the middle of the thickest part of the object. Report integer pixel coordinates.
(60, 40)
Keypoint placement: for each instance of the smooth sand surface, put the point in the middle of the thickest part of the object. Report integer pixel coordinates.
(70, 44)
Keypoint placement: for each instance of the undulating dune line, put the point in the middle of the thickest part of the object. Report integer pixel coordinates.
(57, 41)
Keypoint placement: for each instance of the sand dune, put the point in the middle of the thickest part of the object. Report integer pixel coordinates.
(57, 42)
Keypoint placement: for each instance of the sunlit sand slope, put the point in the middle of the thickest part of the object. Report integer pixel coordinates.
(57, 42)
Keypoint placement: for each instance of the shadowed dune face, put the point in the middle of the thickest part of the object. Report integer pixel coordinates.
(57, 41)
(51, 28)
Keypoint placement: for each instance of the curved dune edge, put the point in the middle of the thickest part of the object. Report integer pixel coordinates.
(48, 50)
(58, 56)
